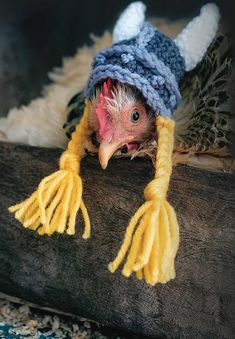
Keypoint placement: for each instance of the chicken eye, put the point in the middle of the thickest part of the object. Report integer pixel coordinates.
(135, 116)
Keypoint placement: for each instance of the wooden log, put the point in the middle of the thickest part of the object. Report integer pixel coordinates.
(70, 274)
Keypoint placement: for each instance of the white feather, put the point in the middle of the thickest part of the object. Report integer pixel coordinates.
(130, 22)
(196, 37)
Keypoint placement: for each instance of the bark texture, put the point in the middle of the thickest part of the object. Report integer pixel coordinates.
(70, 274)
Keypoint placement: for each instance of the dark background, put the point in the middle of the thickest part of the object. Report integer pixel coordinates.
(35, 34)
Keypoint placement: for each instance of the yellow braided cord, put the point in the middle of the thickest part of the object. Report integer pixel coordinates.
(54, 205)
(152, 237)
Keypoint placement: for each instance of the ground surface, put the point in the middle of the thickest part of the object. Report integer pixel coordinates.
(18, 321)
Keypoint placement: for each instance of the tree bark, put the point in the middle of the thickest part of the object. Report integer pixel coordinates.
(70, 274)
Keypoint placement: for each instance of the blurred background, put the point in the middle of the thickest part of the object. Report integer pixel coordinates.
(35, 35)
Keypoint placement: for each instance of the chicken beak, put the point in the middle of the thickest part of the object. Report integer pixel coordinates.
(106, 150)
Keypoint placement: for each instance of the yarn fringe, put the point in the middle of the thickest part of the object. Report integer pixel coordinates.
(54, 205)
(153, 245)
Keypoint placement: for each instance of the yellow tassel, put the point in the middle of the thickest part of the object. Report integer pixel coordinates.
(154, 243)
(54, 205)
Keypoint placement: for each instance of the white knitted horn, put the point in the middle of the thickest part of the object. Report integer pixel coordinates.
(130, 22)
(196, 37)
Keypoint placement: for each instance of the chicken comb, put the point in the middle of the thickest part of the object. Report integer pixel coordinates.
(101, 111)
(107, 88)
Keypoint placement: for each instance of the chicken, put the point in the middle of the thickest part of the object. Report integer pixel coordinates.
(204, 123)
(142, 69)
(121, 119)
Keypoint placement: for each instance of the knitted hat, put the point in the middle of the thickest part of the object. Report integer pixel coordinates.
(150, 61)
(145, 58)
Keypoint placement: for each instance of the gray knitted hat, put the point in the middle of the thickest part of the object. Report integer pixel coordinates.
(147, 59)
